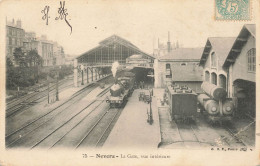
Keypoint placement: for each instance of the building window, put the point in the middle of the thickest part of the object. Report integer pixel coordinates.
(222, 81)
(10, 51)
(251, 60)
(168, 71)
(207, 76)
(213, 60)
(214, 78)
(183, 64)
(14, 32)
(13, 41)
(168, 66)
(10, 41)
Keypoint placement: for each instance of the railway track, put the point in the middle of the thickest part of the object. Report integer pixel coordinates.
(184, 132)
(232, 131)
(58, 134)
(188, 134)
(228, 137)
(27, 101)
(15, 102)
(31, 126)
(95, 137)
(29, 137)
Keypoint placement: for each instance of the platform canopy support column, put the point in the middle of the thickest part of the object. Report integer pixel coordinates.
(96, 73)
(87, 75)
(92, 74)
(99, 70)
(75, 72)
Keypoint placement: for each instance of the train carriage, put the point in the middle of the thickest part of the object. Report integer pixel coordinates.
(182, 102)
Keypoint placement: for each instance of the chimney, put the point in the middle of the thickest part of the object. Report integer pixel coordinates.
(169, 43)
(19, 23)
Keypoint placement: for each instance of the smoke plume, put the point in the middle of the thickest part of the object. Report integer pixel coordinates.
(115, 65)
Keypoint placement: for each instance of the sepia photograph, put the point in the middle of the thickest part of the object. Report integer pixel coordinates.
(129, 82)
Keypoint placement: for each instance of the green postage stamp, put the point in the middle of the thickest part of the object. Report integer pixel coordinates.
(232, 10)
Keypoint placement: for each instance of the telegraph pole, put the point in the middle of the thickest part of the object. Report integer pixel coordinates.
(57, 86)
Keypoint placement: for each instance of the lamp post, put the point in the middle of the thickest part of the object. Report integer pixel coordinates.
(82, 72)
(150, 115)
(151, 112)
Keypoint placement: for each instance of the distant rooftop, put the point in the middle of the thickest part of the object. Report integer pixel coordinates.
(17, 24)
(183, 54)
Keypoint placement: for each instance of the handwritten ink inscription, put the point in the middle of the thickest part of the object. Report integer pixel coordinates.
(45, 12)
(62, 14)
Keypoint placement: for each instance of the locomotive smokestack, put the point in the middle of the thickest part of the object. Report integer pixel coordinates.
(115, 65)
(115, 80)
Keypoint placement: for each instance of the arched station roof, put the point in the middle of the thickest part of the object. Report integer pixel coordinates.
(113, 48)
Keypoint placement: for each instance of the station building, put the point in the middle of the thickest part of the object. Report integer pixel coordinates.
(111, 49)
(212, 59)
(99, 59)
(230, 62)
(180, 66)
(241, 70)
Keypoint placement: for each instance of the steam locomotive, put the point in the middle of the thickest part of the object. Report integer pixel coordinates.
(121, 90)
(215, 104)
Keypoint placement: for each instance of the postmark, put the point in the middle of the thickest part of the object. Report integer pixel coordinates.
(232, 10)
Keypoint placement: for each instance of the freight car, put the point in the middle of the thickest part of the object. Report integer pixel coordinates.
(183, 102)
(215, 104)
(121, 90)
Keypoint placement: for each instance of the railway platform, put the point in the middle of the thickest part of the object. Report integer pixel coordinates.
(132, 129)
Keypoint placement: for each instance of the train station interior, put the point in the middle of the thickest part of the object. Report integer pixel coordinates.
(167, 99)
(116, 49)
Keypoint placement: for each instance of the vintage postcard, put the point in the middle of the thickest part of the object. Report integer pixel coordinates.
(127, 82)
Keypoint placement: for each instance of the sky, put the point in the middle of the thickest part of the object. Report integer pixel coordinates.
(141, 22)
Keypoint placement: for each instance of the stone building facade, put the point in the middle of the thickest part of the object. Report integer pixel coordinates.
(14, 37)
(58, 54)
(181, 66)
(214, 54)
(17, 37)
(241, 66)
